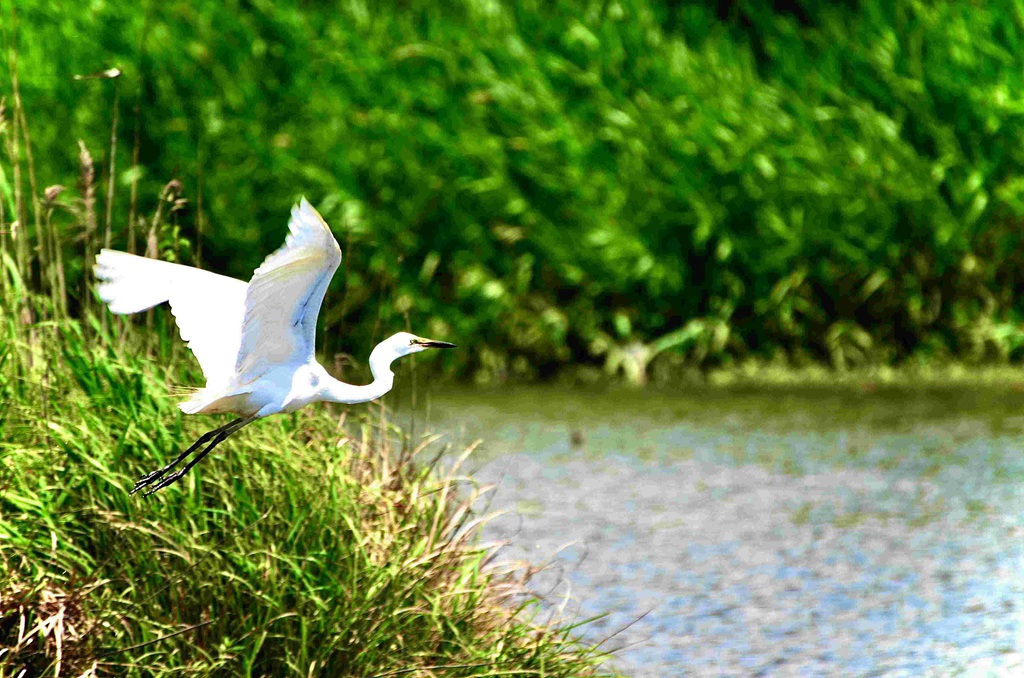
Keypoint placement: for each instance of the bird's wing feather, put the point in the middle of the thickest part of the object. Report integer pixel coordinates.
(207, 307)
(285, 294)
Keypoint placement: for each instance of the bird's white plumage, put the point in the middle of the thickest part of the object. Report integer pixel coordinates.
(255, 340)
(284, 297)
(208, 308)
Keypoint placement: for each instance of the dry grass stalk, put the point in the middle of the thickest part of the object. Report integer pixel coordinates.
(4, 247)
(167, 195)
(36, 208)
(59, 284)
(133, 199)
(200, 216)
(19, 134)
(111, 169)
(50, 619)
(88, 188)
(13, 148)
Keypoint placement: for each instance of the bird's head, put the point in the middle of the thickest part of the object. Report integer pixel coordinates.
(396, 346)
(403, 344)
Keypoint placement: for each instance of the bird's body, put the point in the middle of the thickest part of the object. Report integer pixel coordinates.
(254, 341)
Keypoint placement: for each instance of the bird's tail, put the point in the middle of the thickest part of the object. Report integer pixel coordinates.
(197, 400)
(193, 398)
(205, 401)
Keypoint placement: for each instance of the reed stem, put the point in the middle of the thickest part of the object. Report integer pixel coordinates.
(89, 202)
(111, 170)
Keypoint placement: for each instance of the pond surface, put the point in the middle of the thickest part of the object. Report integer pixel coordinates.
(764, 531)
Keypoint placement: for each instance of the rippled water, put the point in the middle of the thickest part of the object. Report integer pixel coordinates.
(765, 531)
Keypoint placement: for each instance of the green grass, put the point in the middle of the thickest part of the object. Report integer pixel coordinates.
(323, 543)
(619, 185)
(319, 544)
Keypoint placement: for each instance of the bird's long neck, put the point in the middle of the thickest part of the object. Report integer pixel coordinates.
(336, 391)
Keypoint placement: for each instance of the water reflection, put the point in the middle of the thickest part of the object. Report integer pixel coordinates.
(766, 530)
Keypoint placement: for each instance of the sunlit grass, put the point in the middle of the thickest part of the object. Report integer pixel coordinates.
(324, 543)
(320, 544)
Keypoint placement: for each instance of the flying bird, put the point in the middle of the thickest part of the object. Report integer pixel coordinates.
(253, 340)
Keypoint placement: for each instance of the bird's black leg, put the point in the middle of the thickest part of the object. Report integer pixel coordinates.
(150, 478)
(221, 435)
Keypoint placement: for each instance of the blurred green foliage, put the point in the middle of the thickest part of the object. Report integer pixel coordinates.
(554, 182)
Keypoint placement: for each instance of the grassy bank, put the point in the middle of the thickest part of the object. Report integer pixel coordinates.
(322, 543)
(911, 376)
(319, 544)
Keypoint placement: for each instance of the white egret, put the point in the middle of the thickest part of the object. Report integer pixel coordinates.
(254, 341)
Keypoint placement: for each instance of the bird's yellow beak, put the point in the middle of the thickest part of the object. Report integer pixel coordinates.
(433, 343)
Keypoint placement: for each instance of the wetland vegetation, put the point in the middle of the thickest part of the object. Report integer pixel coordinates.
(570, 183)
(799, 227)
(325, 543)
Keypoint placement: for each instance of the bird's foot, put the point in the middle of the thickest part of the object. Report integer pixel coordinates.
(168, 480)
(153, 477)
(147, 479)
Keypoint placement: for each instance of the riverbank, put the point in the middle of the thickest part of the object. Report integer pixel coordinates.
(754, 373)
(326, 542)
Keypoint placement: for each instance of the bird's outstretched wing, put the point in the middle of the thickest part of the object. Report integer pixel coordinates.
(207, 307)
(285, 294)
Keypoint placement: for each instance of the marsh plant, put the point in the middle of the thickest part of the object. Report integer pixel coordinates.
(834, 183)
(325, 543)
(317, 545)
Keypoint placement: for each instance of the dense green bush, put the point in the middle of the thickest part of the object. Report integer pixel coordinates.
(578, 181)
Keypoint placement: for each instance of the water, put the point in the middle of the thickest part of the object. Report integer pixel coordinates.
(764, 531)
